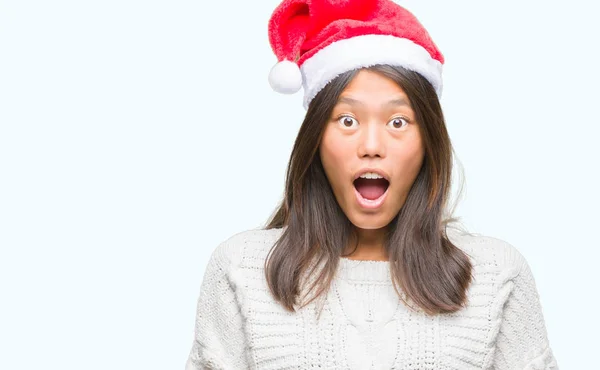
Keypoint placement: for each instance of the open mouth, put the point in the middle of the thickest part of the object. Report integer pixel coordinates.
(371, 189)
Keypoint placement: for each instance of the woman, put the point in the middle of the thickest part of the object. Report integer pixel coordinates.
(361, 267)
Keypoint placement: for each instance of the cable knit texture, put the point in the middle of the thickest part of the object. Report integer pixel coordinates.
(364, 324)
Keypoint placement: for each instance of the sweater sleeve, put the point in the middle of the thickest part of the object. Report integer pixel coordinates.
(219, 338)
(522, 342)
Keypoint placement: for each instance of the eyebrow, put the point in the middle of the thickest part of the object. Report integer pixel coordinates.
(393, 102)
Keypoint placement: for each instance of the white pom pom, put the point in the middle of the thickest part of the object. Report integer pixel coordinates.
(285, 77)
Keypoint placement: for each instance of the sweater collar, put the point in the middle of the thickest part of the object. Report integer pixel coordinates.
(364, 270)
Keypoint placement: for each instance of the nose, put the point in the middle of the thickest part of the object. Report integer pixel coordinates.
(372, 141)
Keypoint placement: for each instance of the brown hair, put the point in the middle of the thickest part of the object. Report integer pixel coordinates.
(433, 272)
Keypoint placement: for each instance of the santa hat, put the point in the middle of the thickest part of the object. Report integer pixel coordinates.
(317, 40)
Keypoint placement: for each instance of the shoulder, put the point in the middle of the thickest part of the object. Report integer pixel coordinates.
(244, 246)
(498, 269)
(488, 252)
(237, 262)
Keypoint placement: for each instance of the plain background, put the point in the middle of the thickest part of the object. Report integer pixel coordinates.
(135, 136)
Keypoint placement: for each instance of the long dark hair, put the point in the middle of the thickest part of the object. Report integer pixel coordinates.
(427, 267)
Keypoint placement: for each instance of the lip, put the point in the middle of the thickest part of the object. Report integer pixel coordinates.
(378, 171)
(371, 204)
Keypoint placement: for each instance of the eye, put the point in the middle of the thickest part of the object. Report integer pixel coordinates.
(399, 122)
(347, 121)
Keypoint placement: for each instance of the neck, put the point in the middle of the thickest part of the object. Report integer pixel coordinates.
(370, 245)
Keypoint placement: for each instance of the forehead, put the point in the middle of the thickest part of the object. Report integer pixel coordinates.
(371, 88)
(367, 82)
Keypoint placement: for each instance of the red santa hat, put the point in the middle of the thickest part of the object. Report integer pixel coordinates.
(317, 40)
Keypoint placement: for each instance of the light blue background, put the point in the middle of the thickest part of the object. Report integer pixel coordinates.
(137, 135)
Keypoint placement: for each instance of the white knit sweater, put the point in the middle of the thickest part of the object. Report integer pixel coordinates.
(364, 324)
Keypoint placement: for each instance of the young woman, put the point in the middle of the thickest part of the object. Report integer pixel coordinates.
(361, 266)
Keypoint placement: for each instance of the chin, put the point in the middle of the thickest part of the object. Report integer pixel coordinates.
(370, 221)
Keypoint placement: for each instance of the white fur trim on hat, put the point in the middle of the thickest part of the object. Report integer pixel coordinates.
(364, 51)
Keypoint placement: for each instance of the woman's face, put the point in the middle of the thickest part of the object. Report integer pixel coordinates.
(371, 126)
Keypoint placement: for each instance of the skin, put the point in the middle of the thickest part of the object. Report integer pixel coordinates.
(368, 129)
